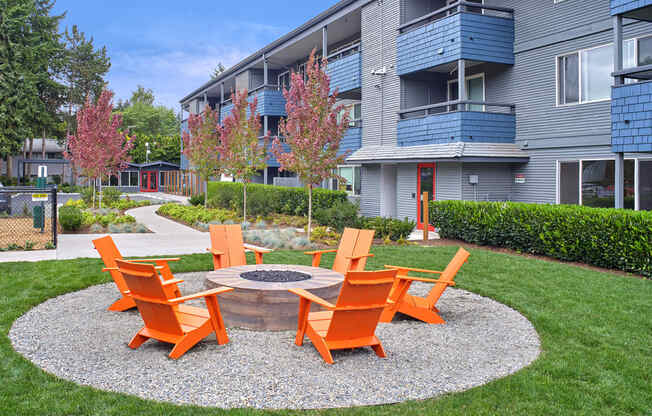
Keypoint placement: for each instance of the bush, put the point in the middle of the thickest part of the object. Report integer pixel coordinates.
(110, 196)
(267, 199)
(610, 238)
(70, 218)
(339, 215)
(197, 199)
(87, 195)
(192, 215)
(389, 227)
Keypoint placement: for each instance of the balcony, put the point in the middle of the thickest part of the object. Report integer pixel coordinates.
(270, 102)
(185, 164)
(457, 121)
(345, 69)
(352, 139)
(631, 117)
(456, 34)
(634, 9)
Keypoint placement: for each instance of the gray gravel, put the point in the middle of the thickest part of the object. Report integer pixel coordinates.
(74, 337)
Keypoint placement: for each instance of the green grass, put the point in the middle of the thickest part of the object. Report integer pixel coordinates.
(595, 329)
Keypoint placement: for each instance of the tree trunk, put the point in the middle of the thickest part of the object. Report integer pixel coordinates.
(31, 148)
(10, 167)
(244, 209)
(43, 146)
(100, 193)
(309, 210)
(93, 185)
(206, 194)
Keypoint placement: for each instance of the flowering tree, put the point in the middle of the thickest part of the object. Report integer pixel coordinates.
(312, 131)
(243, 152)
(99, 149)
(201, 145)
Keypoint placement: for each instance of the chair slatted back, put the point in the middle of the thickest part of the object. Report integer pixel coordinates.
(354, 242)
(228, 240)
(109, 253)
(447, 276)
(361, 301)
(147, 291)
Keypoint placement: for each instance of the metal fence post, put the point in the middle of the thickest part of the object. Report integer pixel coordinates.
(54, 215)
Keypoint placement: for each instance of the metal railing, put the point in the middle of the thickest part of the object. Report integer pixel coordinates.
(460, 6)
(343, 53)
(643, 72)
(455, 106)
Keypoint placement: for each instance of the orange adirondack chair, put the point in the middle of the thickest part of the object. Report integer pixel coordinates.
(423, 309)
(167, 319)
(228, 248)
(352, 252)
(110, 253)
(352, 322)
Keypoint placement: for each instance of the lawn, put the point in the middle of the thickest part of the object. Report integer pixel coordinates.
(595, 329)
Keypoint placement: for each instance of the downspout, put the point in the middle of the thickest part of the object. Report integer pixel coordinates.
(382, 78)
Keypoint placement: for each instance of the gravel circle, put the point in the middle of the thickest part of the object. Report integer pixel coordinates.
(275, 276)
(75, 338)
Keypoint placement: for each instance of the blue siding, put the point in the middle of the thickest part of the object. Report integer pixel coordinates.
(272, 162)
(461, 36)
(631, 118)
(346, 73)
(623, 6)
(351, 141)
(462, 126)
(270, 103)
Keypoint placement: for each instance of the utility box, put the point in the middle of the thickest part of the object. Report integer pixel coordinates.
(474, 179)
(39, 218)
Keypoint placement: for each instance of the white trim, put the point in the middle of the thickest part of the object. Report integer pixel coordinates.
(637, 194)
(558, 187)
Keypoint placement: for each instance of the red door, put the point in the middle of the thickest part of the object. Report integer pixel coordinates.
(426, 179)
(148, 181)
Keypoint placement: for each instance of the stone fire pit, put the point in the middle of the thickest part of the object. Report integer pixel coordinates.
(261, 300)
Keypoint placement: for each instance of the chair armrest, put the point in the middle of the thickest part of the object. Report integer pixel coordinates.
(172, 282)
(359, 257)
(425, 280)
(212, 292)
(411, 269)
(309, 296)
(108, 269)
(154, 260)
(257, 249)
(312, 253)
(215, 252)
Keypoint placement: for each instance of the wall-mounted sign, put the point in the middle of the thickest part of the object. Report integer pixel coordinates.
(519, 178)
(39, 197)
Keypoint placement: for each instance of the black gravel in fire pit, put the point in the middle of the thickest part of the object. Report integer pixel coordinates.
(275, 276)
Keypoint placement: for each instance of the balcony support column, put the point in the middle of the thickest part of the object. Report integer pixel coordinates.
(461, 83)
(265, 125)
(265, 71)
(620, 180)
(618, 48)
(205, 101)
(324, 40)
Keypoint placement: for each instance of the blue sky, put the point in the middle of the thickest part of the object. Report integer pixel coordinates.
(172, 46)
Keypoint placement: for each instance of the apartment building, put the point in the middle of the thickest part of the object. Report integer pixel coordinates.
(523, 100)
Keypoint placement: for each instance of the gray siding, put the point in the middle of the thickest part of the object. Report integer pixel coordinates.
(370, 193)
(448, 181)
(494, 182)
(406, 186)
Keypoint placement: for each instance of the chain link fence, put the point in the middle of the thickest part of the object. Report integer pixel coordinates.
(28, 218)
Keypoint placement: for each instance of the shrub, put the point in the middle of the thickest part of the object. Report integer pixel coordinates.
(110, 196)
(96, 229)
(70, 218)
(267, 199)
(197, 199)
(191, 215)
(610, 238)
(87, 195)
(389, 227)
(139, 228)
(339, 215)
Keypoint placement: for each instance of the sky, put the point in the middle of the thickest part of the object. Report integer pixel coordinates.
(173, 46)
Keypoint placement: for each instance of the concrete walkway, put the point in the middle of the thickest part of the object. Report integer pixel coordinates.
(167, 238)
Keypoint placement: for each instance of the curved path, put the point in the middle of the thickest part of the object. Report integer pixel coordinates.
(167, 238)
(74, 337)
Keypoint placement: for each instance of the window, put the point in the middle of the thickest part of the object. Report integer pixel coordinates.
(284, 81)
(355, 114)
(592, 183)
(129, 178)
(569, 180)
(585, 76)
(133, 178)
(124, 178)
(645, 51)
(351, 174)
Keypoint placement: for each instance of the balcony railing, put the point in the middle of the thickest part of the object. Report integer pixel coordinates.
(460, 6)
(457, 105)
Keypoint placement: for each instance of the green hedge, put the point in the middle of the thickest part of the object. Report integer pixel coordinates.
(267, 199)
(610, 238)
(70, 218)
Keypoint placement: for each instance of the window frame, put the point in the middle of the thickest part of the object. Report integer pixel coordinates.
(637, 160)
(466, 79)
(354, 167)
(579, 76)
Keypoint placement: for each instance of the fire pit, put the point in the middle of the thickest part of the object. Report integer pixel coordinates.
(261, 301)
